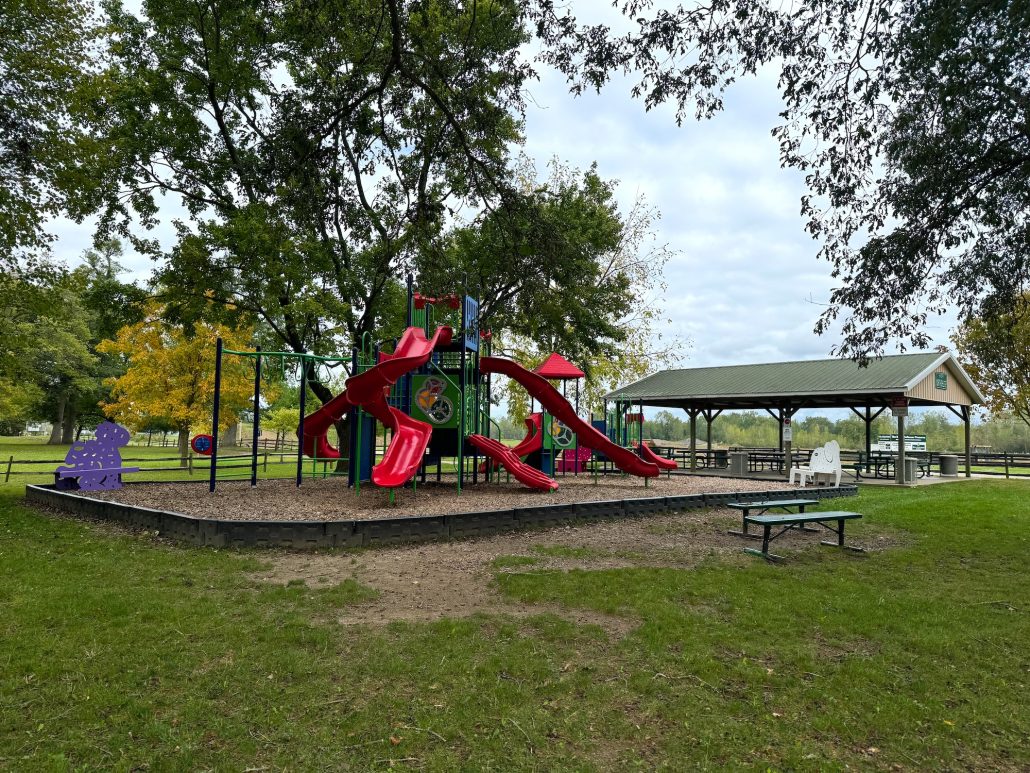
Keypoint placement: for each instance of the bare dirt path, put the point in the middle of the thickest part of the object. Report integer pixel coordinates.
(454, 579)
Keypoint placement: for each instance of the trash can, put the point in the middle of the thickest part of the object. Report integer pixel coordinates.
(911, 469)
(949, 465)
(721, 457)
(738, 463)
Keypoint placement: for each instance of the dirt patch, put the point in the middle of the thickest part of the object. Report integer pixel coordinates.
(454, 579)
(329, 499)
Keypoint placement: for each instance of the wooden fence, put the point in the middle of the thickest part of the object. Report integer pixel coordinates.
(190, 465)
(1008, 465)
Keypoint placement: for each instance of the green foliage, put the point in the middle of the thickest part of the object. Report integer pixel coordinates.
(750, 428)
(43, 57)
(45, 332)
(314, 146)
(125, 651)
(995, 351)
(907, 119)
(564, 270)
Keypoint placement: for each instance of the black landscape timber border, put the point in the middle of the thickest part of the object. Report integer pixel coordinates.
(308, 535)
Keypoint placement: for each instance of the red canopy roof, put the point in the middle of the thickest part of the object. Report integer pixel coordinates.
(558, 367)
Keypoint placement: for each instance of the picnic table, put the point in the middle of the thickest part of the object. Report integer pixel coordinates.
(791, 521)
(884, 465)
(764, 507)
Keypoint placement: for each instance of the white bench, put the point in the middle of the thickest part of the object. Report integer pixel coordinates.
(824, 461)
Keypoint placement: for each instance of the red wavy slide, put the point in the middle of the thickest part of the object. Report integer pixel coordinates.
(533, 441)
(507, 457)
(551, 399)
(369, 390)
(648, 453)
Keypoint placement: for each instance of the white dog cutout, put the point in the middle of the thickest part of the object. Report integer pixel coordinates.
(824, 460)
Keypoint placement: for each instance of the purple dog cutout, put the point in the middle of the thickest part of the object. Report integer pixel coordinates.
(98, 463)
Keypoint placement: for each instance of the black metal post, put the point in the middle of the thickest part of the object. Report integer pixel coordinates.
(214, 415)
(257, 420)
(300, 428)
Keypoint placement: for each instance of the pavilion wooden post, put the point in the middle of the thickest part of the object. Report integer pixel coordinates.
(692, 413)
(966, 416)
(899, 468)
(788, 462)
(710, 416)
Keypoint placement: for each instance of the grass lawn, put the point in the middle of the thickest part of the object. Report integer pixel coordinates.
(121, 652)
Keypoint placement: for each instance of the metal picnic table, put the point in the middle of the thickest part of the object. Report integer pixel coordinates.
(765, 506)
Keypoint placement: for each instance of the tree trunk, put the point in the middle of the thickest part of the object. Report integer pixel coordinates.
(58, 426)
(231, 435)
(70, 419)
(184, 445)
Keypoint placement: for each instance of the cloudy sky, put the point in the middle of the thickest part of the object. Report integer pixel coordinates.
(744, 284)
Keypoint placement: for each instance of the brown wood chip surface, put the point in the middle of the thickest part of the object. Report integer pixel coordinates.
(329, 499)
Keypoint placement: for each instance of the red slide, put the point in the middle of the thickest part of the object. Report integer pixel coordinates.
(369, 390)
(648, 453)
(551, 399)
(533, 441)
(317, 424)
(503, 455)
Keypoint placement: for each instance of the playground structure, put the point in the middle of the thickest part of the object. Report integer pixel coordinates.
(431, 394)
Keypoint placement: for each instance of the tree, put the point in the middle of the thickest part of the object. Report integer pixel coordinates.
(315, 147)
(109, 304)
(995, 351)
(169, 375)
(910, 121)
(44, 355)
(563, 271)
(282, 421)
(43, 57)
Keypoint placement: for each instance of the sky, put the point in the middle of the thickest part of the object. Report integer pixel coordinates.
(744, 282)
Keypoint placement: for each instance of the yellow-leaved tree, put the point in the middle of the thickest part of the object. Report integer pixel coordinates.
(170, 375)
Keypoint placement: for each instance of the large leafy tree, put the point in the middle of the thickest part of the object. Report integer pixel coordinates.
(169, 375)
(315, 147)
(911, 121)
(111, 304)
(45, 358)
(996, 352)
(565, 270)
(43, 57)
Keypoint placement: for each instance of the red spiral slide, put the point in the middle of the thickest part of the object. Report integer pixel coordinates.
(551, 399)
(369, 390)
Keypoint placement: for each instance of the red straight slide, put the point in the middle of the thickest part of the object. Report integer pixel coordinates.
(369, 390)
(505, 456)
(551, 399)
(648, 453)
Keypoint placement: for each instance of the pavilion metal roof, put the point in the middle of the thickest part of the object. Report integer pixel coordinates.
(804, 382)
